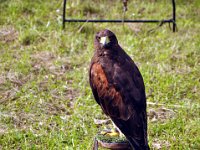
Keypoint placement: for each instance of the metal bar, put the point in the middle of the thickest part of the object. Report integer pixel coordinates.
(119, 21)
(174, 15)
(64, 11)
(173, 20)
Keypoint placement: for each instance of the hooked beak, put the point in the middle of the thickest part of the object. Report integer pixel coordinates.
(104, 40)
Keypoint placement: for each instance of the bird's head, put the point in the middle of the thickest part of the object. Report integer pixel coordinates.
(105, 39)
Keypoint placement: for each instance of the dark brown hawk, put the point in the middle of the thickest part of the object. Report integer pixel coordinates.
(118, 88)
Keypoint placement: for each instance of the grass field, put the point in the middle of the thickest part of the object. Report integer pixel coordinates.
(45, 98)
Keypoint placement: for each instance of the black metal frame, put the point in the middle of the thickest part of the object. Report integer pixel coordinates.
(173, 20)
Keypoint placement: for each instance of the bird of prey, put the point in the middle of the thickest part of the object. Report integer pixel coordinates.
(118, 88)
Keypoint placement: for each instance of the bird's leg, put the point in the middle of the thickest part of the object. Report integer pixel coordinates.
(111, 133)
(115, 131)
(120, 134)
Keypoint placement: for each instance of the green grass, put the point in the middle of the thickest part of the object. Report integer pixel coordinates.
(45, 98)
(109, 139)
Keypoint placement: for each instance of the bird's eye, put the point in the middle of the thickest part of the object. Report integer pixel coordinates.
(98, 38)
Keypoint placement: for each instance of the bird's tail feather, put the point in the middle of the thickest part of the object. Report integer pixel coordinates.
(135, 145)
(135, 130)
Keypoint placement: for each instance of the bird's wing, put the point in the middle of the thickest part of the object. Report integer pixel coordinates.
(93, 83)
(128, 82)
(105, 94)
(117, 85)
(123, 75)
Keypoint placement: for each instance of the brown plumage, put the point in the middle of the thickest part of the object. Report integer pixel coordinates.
(118, 88)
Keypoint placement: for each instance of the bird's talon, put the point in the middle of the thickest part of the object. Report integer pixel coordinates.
(111, 133)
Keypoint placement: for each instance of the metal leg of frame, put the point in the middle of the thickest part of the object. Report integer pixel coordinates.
(174, 15)
(64, 12)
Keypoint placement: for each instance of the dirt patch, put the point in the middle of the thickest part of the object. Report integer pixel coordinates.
(34, 122)
(42, 60)
(44, 56)
(54, 109)
(23, 120)
(20, 120)
(135, 27)
(46, 60)
(101, 122)
(8, 95)
(2, 80)
(158, 144)
(160, 114)
(3, 129)
(59, 103)
(67, 94)
(16, 80)
(8, 34)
